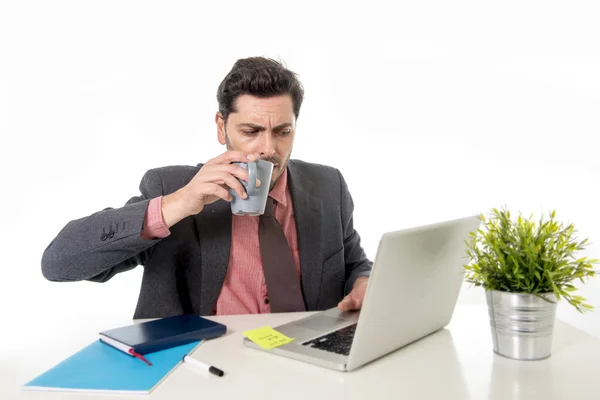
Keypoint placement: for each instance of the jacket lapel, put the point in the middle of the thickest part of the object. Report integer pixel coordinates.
(307, 215)
(213, 226)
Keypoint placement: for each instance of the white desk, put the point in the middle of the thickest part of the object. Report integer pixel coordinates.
(455, 363)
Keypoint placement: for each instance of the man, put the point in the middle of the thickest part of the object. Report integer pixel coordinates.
(197, 256)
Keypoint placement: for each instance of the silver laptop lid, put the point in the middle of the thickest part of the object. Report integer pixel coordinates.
(413, 289)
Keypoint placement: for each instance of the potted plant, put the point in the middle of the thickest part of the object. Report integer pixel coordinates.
(526, 267)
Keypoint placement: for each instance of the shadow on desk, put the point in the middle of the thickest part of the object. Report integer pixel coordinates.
(427, 368)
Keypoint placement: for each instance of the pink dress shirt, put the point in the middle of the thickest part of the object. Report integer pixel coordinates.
(244, 290)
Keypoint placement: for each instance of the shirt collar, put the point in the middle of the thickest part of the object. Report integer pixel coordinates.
(278, 191)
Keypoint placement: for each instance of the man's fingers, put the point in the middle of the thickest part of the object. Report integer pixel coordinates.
(358, 304)
(347, 303)
(240, 173)
(224, 178)
(229, 157)
(218, 191)
(232, 156)
(353, 301)
(235, 170)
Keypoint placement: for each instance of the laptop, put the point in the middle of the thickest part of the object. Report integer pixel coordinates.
(415, 281)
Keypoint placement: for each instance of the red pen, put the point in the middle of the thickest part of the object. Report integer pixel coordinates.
(124, 349)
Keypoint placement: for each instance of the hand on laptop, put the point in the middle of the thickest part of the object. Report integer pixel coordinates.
(354, 299)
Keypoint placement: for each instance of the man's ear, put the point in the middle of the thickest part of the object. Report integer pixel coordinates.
(220, 128)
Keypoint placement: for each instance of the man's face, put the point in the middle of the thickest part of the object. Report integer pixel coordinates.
(261, 126)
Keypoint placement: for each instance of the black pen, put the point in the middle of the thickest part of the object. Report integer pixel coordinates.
(209, 368)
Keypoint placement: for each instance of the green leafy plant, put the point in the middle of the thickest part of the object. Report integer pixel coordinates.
(527, 256)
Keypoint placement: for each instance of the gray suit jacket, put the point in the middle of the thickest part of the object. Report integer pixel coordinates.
(184, 272)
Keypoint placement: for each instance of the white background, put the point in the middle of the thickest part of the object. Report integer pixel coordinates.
(430, 110)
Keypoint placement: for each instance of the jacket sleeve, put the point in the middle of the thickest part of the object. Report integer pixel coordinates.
(357, 263)
(98, 246)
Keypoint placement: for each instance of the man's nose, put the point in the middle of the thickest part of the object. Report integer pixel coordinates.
(267, 145)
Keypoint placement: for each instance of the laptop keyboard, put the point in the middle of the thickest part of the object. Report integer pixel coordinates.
(338, 341)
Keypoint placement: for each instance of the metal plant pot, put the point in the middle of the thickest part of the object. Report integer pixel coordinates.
(522, 324)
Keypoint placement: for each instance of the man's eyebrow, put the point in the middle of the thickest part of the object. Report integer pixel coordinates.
(282, 126)
(249, 125)
(262, 128)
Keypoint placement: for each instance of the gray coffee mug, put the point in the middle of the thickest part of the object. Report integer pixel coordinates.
(255, 203)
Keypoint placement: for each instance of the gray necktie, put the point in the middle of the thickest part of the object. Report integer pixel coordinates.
(283, 284)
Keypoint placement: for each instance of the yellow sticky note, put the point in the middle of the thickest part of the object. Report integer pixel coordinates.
(267, 337)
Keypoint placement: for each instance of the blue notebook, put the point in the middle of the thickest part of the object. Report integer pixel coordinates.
(102, 368)
(159, 334)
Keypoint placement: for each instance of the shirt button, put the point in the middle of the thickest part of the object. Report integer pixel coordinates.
(266, 300)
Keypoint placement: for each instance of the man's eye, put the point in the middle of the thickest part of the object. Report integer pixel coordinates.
(250, 132)
(286, 132)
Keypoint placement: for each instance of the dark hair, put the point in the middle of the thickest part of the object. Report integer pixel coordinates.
(260, 77)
